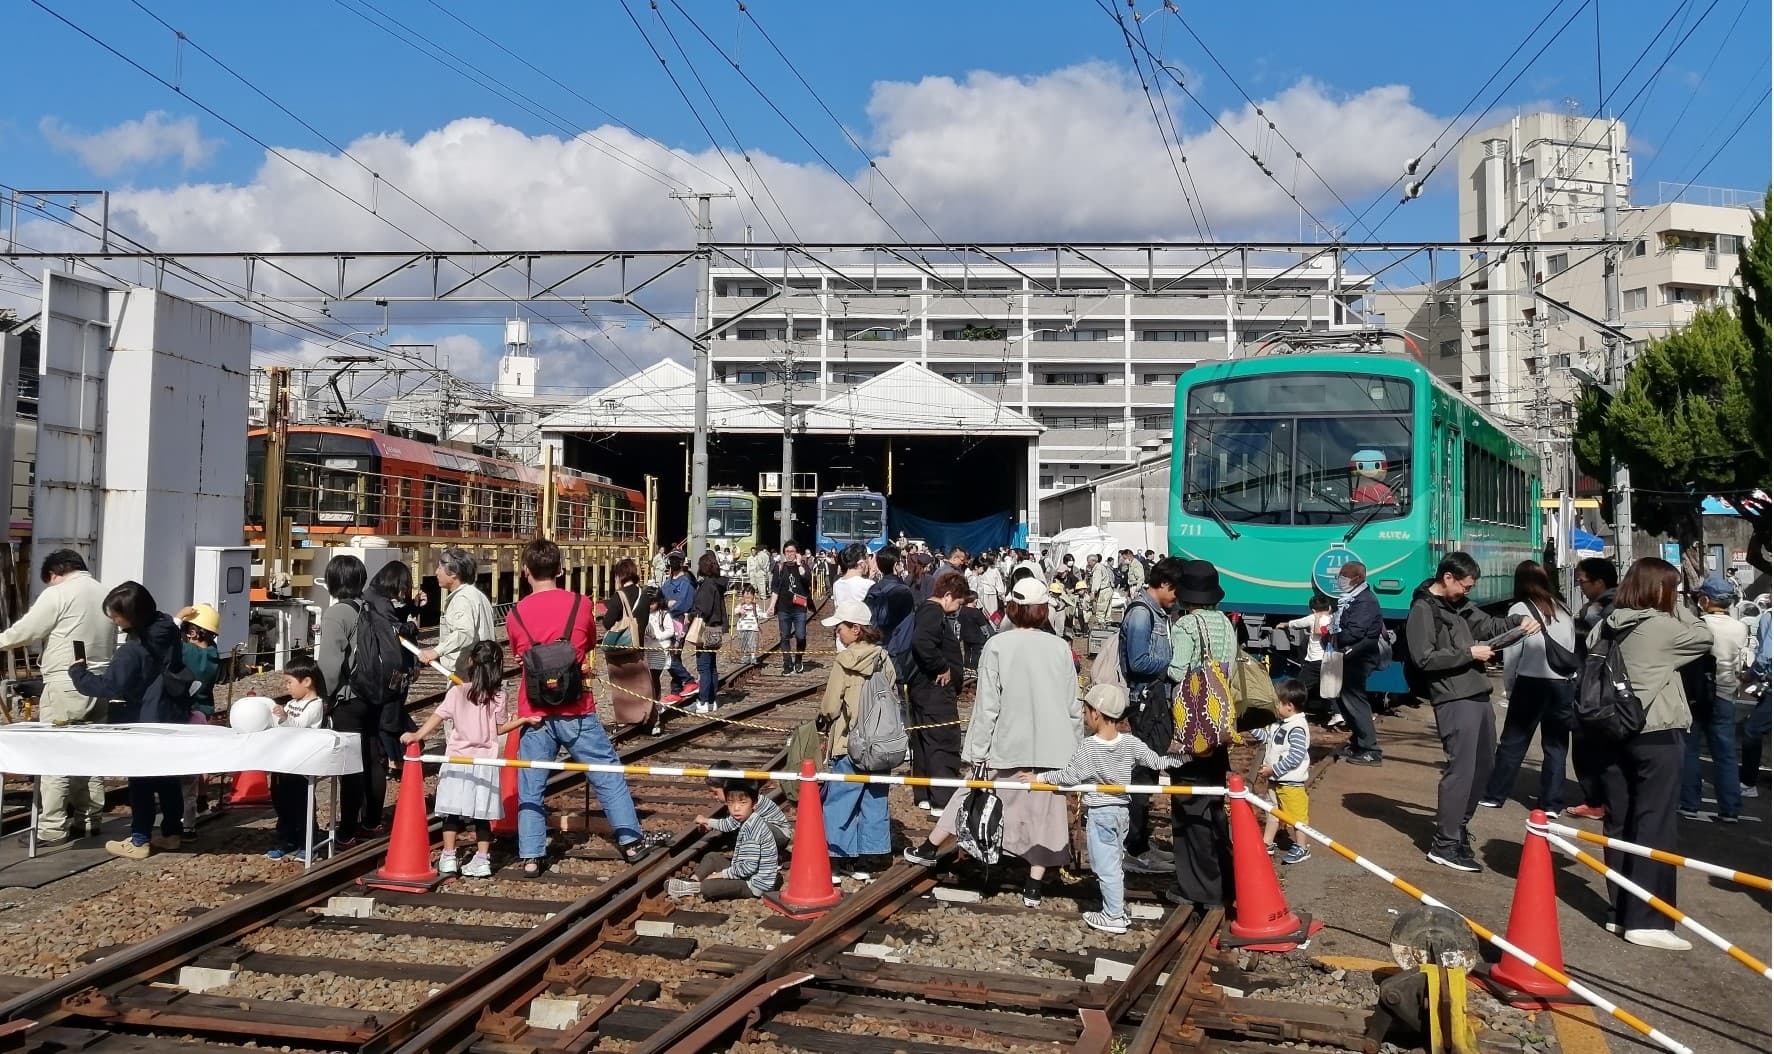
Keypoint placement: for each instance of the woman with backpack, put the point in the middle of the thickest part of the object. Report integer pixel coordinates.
(932, 686)
(1025, 720)
(392, 591)
(1537, 672)
(1654, 636)
(623, 616)
(361, 794)
(708, 606)
(147, 673)
(857, 829)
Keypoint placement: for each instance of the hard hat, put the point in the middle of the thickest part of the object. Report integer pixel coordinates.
(1082, 587)
(203, 617)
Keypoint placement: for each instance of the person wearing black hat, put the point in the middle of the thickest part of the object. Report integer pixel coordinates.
(1201, 840)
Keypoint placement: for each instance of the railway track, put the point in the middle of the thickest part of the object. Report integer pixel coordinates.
(437, 946)
(592, 956)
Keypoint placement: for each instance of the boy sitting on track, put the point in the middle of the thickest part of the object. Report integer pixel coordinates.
(755, 865)
(772, 814)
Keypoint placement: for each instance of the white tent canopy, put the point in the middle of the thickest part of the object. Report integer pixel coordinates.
(1082, 543)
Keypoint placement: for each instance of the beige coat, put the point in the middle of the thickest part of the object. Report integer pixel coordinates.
(843, 693)
(71, 610)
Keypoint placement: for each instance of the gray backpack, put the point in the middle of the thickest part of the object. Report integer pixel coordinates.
(877, 734)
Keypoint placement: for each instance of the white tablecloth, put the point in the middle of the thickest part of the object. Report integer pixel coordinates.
(36, 749)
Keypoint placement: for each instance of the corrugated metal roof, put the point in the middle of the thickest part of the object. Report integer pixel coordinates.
(662, 398)
(910, 399)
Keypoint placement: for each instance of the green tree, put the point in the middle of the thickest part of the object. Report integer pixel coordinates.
(1753, 301)
(1689, 423)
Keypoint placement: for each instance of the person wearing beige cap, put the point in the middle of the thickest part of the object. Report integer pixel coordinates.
(857, 829)
(1024, 720)
(1106, 756)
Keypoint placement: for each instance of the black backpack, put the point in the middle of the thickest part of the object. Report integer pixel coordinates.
(1606, 704)
(553, 675)
(378, 672)
(899, 649)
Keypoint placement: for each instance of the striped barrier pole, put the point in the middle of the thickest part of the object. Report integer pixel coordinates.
(1742, 878)
(1660, 904)
(762, 776)
(434, 664)
(1590, 996)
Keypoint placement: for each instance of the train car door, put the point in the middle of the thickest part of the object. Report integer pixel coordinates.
(1453, 488)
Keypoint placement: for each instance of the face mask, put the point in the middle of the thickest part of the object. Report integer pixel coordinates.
(1344, 587)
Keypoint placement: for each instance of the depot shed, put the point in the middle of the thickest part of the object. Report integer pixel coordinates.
(942, 452)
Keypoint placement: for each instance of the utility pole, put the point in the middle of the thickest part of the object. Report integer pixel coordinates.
(277, 410)
(786, 528)
(705, 233)
(1616, 350)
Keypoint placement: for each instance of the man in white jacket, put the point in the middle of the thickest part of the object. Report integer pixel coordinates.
(71, 609)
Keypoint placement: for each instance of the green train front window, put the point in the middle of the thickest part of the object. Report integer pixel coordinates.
(730, 521)
(1298, 449)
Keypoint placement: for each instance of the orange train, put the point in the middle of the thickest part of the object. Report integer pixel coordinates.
(341, 481)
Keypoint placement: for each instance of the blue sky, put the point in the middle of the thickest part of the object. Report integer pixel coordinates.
(1017, 119)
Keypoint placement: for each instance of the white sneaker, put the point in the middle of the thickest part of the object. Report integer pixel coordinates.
(678, 887)
(1748, 790)
(924, 805)
(448, 864)
(1336, 721)
(479, 867)
(1097, 920)
(1696, 816)
(1664, 939)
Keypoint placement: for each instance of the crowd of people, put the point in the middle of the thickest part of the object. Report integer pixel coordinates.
(931, 626)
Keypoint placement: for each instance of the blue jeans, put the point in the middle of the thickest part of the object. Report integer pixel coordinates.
(856, 822)
(147, 792)
(705, 676)
(1715, 720)
(1755, 729)
(585, 741)
(1105, 828)
(792, 624)
(1535, 703)
(679, 675)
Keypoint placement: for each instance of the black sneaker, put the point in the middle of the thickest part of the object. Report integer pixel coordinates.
(1365, 757)
(1459, 859)
(637, 850)
(923, 855)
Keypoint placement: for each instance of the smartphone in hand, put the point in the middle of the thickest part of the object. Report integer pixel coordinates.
(79, 651)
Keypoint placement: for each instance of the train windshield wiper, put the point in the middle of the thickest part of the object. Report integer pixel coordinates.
(1363, 521)
(1213, 510)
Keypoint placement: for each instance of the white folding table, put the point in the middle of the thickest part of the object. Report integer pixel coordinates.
(37, 749)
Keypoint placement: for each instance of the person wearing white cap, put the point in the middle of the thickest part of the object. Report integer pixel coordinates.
(857, 830)
(1025, 719)
(1106, 756)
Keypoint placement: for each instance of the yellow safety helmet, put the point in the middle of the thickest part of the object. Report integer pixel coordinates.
(202, 616)
(1056, 589)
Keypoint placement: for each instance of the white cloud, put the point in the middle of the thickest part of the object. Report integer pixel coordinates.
(155, 137)
(1070, 154)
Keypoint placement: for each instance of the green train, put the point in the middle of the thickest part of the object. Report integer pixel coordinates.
(732, 519)
(1291, 465)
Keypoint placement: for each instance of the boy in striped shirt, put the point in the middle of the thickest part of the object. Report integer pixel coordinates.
(754, 866)
(1285, 766)
(1106, 756)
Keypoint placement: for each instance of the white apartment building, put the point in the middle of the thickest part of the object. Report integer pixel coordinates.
(1092, 358)
(1544, 176)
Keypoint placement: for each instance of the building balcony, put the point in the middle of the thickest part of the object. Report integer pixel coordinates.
(1183, 305)
(1178, 351)
(975, 351)
(987, 304)
(863, 348)
(1077, 350)
(870, 305)
(1113, 395)
(1081, 439)
(1299, 308)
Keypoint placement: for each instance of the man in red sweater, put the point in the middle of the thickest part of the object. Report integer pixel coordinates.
(550, 613)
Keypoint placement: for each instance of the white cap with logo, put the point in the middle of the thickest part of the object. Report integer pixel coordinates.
(854, 612)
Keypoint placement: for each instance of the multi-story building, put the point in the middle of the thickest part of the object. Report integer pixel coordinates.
(1092, 358)
(1545, 177)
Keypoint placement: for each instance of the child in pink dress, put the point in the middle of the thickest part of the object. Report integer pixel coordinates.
(468, 795)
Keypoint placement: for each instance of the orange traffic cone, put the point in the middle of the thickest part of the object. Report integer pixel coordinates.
(809, 892)
(250, 789)
(506, 825)
(407, 868)
(1533, 925)
(1263, 923)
